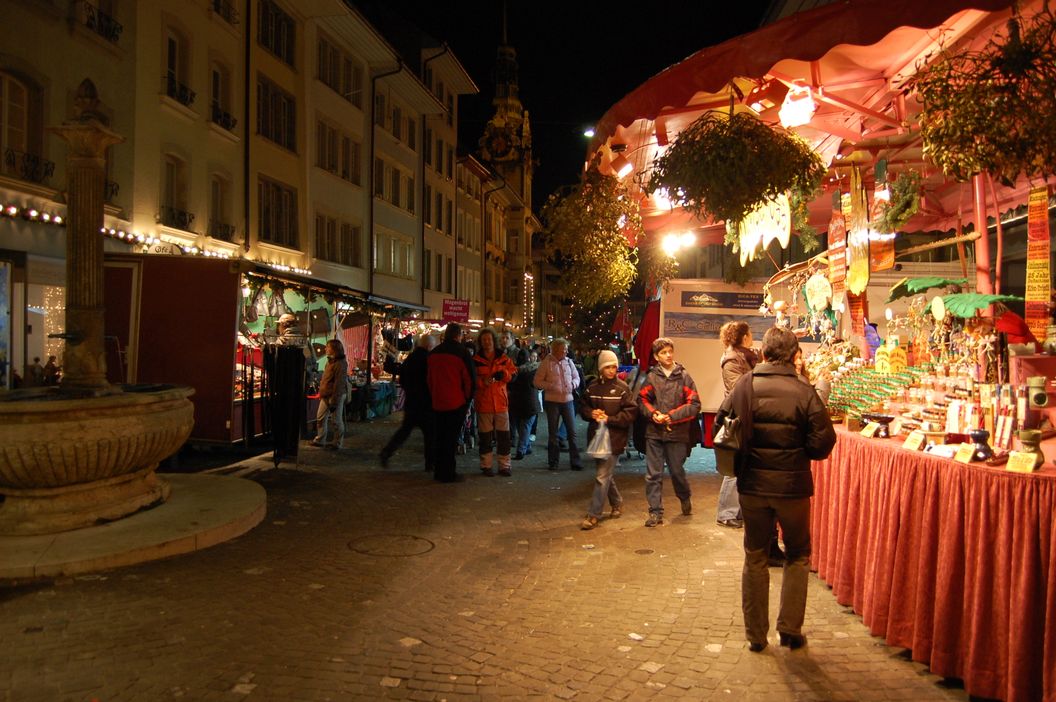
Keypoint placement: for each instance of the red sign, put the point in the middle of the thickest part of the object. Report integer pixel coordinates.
(837, 252)
(456, 311)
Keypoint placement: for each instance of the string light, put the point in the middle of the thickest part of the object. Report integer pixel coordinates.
(31, 214)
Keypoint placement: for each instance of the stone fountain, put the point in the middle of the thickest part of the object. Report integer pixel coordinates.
(86, 452)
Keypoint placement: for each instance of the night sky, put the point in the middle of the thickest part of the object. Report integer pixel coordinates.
(576, 60)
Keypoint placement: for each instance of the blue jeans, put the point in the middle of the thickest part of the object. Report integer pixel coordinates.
(657, 453)
(555, 412)
(729, 502)
(604, 486)
(523, 426)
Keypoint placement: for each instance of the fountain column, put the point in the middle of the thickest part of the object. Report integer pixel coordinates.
(84, 359)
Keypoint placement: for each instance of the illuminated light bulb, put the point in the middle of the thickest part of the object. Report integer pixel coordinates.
(112, 232)
(888, 314)
(46, 217)
(57, 219)
(688, 240)
(33, 214)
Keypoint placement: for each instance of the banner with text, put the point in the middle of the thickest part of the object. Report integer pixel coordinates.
(1039, 279)
(456, 311)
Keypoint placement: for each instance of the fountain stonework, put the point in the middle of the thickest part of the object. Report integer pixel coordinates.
(85, 453)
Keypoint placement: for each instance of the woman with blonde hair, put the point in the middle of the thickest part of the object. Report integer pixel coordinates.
(330, 419)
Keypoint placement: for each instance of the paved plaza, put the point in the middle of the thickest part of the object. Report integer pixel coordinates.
(365, 583)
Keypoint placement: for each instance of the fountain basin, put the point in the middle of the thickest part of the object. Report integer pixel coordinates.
(72, 462)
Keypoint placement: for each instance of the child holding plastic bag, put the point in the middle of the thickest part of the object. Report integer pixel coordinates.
(609, 405)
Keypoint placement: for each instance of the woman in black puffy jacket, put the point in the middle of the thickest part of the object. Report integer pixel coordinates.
(789, 428)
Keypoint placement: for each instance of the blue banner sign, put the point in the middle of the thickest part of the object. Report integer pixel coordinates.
(722, 300)
(706, 326)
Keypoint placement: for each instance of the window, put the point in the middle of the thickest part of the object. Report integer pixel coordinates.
(220, 226)
(379, 110)
(355, 83)
(412, 136)
(427, 269)
(393, 255)
(176, 60)
(450, 270)
(439, 164)
(394, 189)
(14, 114)
(379, 178)
(427, 146)
(449, 218)
(439, 204)
(427, 205)
(325, 238)
(173, 210)
(338, 242)
(326, 147)
(350, 164)
(276, 114)
(439, 272)
(410, 194)
(397, 122)
(351, 244)
(330, 64)
(277, 205)
(450, 162)
(450, 110)
(277, 31)
(220, 97)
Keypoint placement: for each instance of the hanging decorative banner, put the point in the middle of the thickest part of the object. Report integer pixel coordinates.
(856, 303)
(1039, 280)
(771, 220)
(881, 243)
(837, 252)
(857, 236)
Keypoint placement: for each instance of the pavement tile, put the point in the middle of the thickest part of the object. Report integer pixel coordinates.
(363, 584)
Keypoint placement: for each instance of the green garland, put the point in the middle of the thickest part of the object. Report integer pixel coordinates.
(904, 203)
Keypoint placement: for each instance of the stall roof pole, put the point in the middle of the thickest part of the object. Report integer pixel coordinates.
(982, 245)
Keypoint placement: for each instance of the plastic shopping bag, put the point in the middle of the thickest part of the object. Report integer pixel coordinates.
(600, 446)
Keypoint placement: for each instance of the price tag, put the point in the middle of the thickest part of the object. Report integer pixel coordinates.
(915, 441)
(964, 453)
(870, 429)
(1020, 462)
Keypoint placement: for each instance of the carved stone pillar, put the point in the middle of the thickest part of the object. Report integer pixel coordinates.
(88, 138)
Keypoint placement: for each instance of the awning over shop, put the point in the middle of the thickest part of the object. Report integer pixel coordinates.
(855, 56)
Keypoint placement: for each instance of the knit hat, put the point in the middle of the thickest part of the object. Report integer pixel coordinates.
(607, 358)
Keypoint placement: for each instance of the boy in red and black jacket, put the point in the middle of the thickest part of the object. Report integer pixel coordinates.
(670, 401)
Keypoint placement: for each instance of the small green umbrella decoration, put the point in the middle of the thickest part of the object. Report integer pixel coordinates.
(912, 286)
(965, 305)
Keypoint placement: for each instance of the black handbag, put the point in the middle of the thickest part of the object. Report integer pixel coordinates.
(733, 432)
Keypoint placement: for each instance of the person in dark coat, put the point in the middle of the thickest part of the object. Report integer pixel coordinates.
(452, 379)
(524, 405)
(417, 405)
(738, 358)
(789, 428)
(607, 401)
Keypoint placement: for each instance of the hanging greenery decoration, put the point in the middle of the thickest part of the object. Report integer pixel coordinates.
(723, 167)
(904, 202)
(993, 110)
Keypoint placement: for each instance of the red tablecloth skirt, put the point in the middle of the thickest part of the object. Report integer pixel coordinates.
(955, 562)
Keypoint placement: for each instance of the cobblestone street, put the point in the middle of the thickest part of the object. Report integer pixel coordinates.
(363, 584)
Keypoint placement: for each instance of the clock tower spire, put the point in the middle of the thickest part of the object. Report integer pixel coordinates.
(507, 141)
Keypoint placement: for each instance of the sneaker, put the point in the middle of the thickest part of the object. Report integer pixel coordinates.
(756, 647)
(687, 507)
(617, 511)
(731, 523)
(505, 472)
(793, 641)
(654, 519)
(531, 437)
(588, 523)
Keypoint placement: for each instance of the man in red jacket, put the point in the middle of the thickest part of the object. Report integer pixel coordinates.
(452, 379)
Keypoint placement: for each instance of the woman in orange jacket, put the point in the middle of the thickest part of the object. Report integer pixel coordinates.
(494, 371)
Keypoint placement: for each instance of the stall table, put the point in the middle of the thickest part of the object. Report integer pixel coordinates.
(955, 562)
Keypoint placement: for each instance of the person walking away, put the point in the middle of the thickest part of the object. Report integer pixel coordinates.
(494, 372)
(608, 401)
(524, 405)
(789, 428)
(451, 377)
(669, 399)
(51, 371)
(417, 405)
(330, 419)
(558, 378)
(737, 359)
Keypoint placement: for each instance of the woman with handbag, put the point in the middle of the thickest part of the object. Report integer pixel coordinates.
(737, 359)
(610, 407)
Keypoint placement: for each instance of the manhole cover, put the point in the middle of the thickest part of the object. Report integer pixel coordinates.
(644, 551)
(394, 545)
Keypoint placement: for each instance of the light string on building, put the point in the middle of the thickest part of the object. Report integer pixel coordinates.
(32, 214)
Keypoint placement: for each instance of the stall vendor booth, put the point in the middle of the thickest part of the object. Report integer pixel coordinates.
(205, 322)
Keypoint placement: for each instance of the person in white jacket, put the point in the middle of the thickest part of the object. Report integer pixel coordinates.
(558, 378)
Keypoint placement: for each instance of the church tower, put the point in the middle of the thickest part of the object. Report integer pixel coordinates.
(507, 141)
